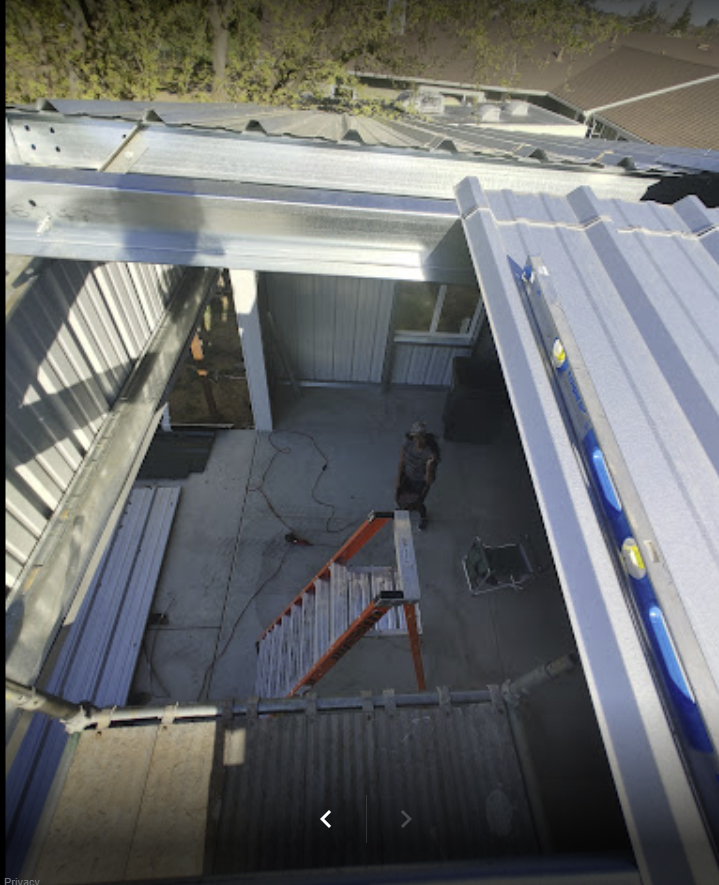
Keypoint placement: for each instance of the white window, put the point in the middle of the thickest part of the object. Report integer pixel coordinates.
(436, 312)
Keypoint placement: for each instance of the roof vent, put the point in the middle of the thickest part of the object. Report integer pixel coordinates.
(517, 108)
(423, 101)
(489, 113)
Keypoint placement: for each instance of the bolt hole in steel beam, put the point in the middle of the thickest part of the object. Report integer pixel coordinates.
(107, 216)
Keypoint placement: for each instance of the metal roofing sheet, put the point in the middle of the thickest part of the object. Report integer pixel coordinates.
(688, 115)
(638, 289)
(641, 294)
(71, 343)
(441, 133)
(449, 767)
(626, 73)
(453, 768)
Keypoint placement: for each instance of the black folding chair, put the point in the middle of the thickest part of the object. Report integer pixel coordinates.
(489, 568)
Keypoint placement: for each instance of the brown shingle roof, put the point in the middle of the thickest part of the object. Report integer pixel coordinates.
(684, 118)
(627, 73)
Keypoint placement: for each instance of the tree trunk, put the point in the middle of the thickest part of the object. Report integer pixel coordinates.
(218, 10)
(78, 24)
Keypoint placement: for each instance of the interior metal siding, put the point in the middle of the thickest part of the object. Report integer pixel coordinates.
(425, 364)
(331, 329)
(70, 346)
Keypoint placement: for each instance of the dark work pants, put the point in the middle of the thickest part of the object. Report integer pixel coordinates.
(417, 487)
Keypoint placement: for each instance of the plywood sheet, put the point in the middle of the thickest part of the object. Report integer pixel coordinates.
(91, 833)
(170, 836)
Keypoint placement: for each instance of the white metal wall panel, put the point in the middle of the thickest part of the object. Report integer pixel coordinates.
(333, 329)
(71, 344)
(425, 364)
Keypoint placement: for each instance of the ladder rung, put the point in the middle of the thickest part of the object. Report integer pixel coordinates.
(401, 618)
(293, 670)
(366, 589)
(354, 595)
(338, 582)
(272, 638)
(308, 625)
(281, 652)
(322, 619)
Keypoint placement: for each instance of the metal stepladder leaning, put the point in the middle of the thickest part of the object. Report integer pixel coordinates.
(339, 606)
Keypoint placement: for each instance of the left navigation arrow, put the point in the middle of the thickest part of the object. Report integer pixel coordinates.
(325, 822)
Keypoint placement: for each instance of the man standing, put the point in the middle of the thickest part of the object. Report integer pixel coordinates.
(417, 470)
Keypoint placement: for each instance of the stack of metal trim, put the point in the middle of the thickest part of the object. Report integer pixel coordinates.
(98, 656)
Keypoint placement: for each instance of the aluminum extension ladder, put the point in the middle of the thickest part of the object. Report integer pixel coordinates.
(339, 606)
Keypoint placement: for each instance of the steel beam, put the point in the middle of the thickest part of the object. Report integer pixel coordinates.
(62, 566)
(104, 216)
(64, 140)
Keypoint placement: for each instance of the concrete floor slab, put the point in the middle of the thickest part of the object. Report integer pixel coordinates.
(229, 571)
(193, 581)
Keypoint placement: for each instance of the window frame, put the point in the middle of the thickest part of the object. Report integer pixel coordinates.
(432, 336)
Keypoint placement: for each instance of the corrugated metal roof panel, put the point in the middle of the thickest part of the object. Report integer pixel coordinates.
(439, 133)
(626, 73)
(638, 297)
(452, 768)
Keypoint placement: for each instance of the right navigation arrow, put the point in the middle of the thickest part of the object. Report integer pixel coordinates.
(407, 821)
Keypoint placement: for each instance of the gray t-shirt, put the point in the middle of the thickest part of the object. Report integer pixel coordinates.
(415, 460)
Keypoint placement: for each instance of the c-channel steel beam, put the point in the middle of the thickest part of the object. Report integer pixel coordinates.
(103, 216)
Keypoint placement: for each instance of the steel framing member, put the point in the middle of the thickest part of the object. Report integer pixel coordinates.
(61, 213)
(63, 566)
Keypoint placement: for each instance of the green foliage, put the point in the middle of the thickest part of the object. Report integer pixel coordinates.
(301, 51)
(272, 51)
(38, 40)
(501, 33)
(683, 24)
(648, 19)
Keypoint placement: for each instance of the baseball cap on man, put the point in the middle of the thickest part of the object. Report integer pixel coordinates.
(418, 428)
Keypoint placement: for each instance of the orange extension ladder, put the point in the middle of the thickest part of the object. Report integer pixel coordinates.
(339, 606)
